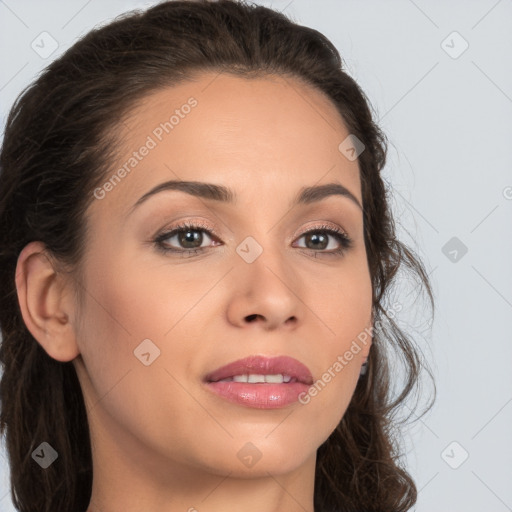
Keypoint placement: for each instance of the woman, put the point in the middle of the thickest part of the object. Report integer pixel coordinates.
(196, 258)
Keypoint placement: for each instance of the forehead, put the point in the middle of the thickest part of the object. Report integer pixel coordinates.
(272, 132)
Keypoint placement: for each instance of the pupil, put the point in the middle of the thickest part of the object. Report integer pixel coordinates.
(189, 237)
(316, 237)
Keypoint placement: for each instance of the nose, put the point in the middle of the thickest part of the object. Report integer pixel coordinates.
(270, 322)
(266, 295)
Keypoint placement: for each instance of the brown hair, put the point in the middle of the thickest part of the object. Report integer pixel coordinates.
(57, 149)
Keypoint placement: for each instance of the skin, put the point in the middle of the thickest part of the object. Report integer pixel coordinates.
(160, 439)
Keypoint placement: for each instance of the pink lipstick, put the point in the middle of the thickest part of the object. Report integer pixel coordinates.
(261, 382)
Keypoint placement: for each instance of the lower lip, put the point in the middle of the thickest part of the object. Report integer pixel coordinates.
(259, 395)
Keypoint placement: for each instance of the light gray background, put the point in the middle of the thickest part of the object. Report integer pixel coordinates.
(448, 116)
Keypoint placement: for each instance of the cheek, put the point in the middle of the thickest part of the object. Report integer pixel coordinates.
(134, 301)
(133, 308)
(123, 309)
(347, 314)
(348, 303)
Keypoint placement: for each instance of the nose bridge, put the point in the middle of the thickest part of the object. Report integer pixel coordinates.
(265, 271)
(262, 251)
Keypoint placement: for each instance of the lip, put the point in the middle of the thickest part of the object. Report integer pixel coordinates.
(261, 395)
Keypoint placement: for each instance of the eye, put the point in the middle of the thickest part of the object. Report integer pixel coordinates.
(189, 238)
(317, 239)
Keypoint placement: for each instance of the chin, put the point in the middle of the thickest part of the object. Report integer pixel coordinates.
(256, 456)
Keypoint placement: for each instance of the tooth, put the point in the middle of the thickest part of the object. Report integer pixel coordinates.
(274, 379)
(255, 378)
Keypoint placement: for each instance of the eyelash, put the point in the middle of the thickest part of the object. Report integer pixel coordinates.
(345, 241)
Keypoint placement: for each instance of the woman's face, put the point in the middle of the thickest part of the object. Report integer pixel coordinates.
(162, 312)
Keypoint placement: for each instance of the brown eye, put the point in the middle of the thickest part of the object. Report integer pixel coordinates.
(189, 239)
(317, 240)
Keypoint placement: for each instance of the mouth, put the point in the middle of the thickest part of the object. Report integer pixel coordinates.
(261, 382)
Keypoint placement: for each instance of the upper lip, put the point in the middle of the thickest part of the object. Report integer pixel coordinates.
(263, 366)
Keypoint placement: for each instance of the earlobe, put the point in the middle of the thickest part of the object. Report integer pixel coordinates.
(46, 303)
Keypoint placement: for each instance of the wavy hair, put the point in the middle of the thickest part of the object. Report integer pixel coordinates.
(57, 148)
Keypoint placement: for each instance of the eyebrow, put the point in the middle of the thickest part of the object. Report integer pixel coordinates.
(220, 193)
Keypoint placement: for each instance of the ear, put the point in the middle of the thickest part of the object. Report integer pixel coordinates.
(46, 302)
